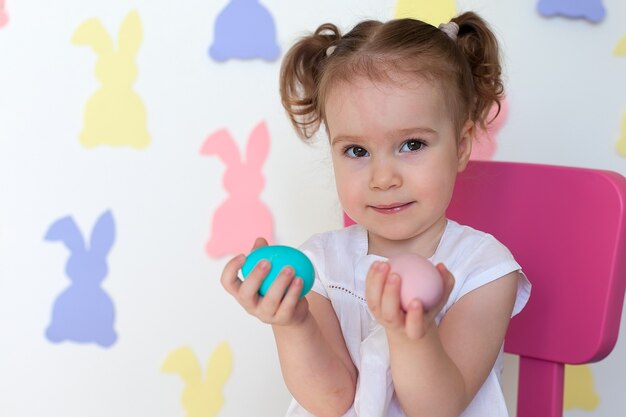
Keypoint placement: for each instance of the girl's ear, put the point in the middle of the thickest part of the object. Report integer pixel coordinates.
(464, 146)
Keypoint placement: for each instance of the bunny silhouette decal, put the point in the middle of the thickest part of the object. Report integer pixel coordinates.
(84, 313)
(620, 146)
(4, 17)
(485, 144)
(201, 398)
(592, 10)
(243, 216)
(114, 115)
(433, 12)
(580, 391)
(245, 29)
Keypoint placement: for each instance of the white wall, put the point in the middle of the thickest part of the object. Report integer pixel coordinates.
(567, 96)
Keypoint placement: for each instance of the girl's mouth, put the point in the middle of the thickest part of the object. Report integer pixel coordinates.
(391, 208)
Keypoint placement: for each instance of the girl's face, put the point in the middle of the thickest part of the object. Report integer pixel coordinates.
(396, 155)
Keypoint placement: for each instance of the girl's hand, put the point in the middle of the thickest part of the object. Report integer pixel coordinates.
(382, 291)
(281, 305)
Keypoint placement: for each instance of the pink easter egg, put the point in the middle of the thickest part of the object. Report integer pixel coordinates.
(419, 279)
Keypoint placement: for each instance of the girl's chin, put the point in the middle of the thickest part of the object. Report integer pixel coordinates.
(390, 235)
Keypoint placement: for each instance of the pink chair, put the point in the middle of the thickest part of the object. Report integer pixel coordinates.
(567, 228)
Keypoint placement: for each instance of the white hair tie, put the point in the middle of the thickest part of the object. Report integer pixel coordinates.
(451, 29)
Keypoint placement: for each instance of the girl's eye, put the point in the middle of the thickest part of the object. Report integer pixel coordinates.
(412, 145)
(356, 152)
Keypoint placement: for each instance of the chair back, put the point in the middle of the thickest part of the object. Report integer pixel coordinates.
(567, 228)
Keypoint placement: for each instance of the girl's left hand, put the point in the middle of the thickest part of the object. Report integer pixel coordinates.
(382, 290)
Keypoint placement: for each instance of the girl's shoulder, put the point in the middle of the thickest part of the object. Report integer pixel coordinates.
(462, 242)
(476, 258)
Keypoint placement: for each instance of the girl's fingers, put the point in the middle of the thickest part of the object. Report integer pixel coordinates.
(391, 311)
(229, 279)
(274, 295)
(374, 285)
(259, 242)
(249, 288)
(289, 302)
(448, 285)
(414, 325)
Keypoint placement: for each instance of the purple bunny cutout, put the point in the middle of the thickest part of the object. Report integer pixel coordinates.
(244, 30)
(84, 312)
(592, 10)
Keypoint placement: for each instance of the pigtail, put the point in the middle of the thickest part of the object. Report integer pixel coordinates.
(299, 78)
(480, 47)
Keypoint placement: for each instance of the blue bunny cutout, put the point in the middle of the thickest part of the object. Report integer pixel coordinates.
(592, 10)
(84, 312)
(244, 30)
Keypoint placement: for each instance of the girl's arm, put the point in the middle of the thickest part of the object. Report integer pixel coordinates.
(437, 371)
(315, 362)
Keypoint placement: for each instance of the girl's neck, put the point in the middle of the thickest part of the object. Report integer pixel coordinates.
(425, 244)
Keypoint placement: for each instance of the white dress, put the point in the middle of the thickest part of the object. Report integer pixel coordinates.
(341, 264)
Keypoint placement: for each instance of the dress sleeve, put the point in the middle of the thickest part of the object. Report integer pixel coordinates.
(313, 248)
(489, 261)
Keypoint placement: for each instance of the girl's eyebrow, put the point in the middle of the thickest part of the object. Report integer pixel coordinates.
(400, 132)
(343, 138)
(411, 130)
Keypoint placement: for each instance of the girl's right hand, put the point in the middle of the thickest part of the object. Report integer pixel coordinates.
(281, 305)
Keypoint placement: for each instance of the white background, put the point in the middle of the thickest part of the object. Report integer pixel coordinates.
(567, 97)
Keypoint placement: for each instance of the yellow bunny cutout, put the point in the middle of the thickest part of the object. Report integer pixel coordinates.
(201, 398)
(579, 388)
(114, 114)
(620, 50)
(429, 11)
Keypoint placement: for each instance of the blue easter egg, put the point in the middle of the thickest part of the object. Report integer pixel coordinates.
(280, 257)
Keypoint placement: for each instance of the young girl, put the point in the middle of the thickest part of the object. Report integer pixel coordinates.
(400, 102)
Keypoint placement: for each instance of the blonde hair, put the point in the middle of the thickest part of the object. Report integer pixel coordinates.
(468, 67)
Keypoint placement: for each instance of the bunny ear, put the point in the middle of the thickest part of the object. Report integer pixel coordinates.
(184, 362)
(67, 231)
(103, 234)
(92, 33)
(222, 144)
(258, 146)
(620, 47)
(130, 34)
(218, 369)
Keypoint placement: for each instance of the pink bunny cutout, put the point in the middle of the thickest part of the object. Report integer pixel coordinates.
(4, 17)
(484, 146)
(243, 217)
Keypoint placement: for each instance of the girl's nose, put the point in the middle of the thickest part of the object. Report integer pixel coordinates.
(384, 174)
